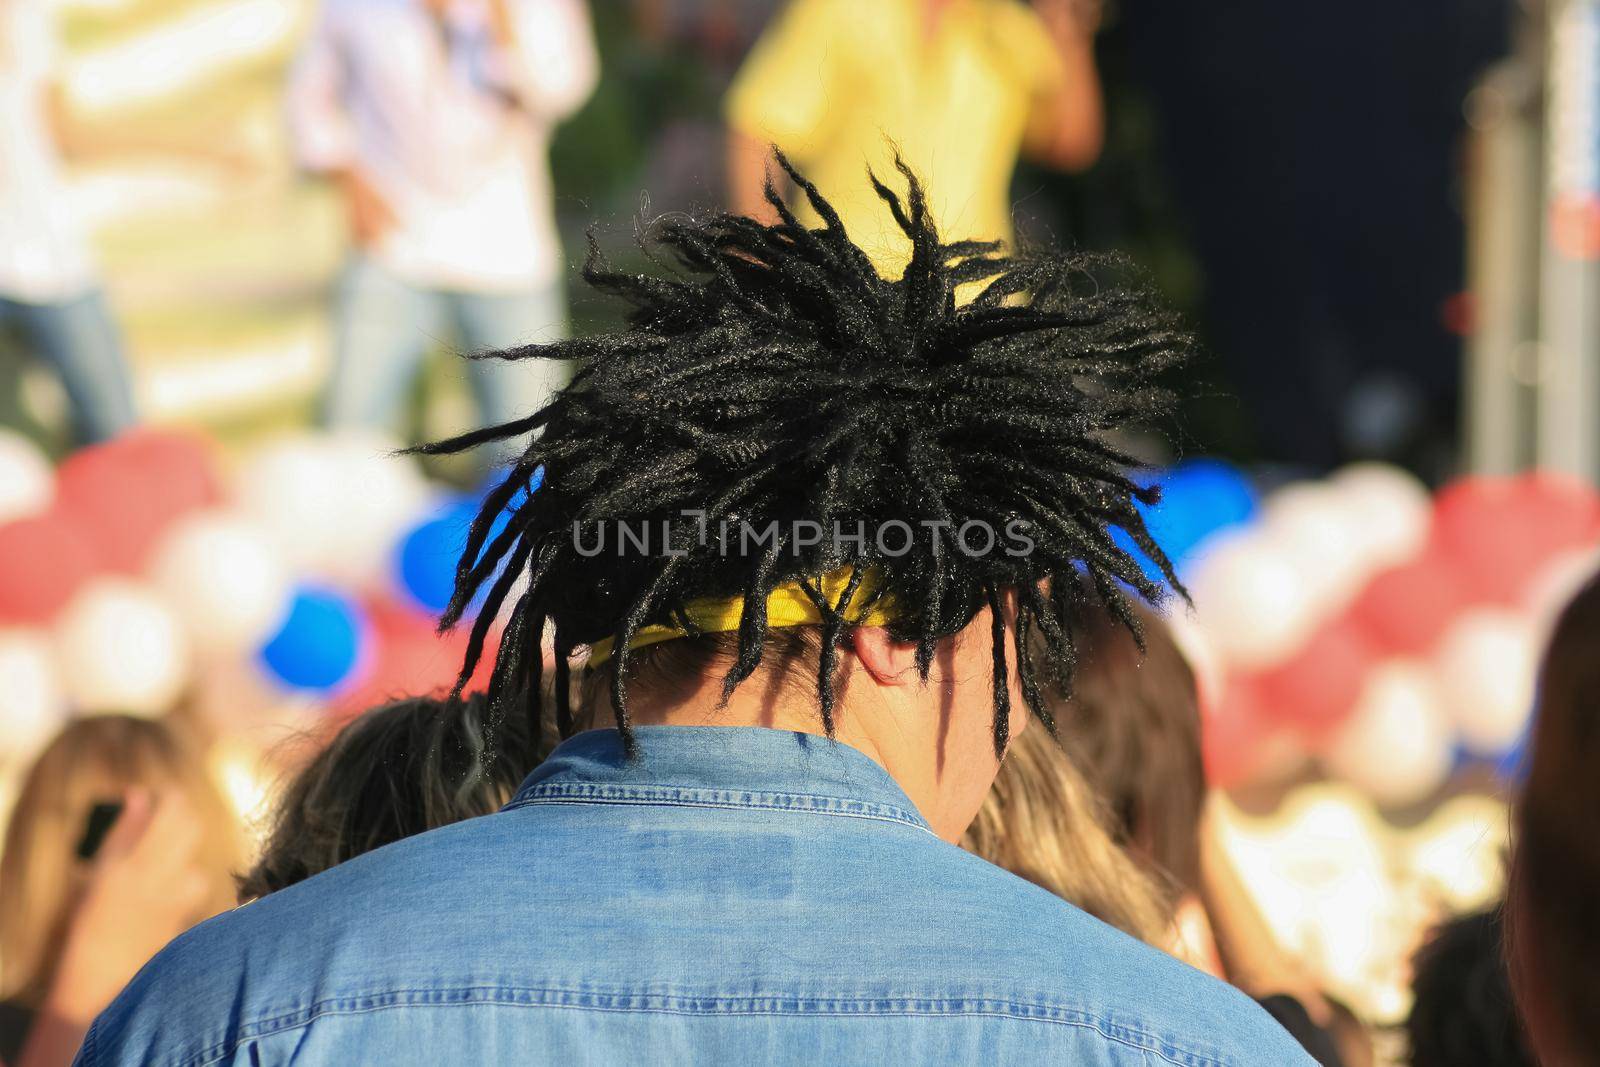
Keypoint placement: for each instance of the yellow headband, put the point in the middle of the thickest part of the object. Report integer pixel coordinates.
(787, 605)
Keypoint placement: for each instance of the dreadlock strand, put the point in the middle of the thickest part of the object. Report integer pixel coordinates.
(481, 625)
(1002, 681)
(1027, 676)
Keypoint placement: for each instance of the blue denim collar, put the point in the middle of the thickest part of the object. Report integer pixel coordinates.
(720, 766)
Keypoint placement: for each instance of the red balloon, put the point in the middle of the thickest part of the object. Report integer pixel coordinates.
(43, 561)
(1485, 526)
(1233, 733)
(1560, 513)
(127, 492)
(1316, 688)
(411, 659)
(1406, 609)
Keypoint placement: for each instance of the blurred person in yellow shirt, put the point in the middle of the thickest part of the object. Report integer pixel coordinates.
(960, 88)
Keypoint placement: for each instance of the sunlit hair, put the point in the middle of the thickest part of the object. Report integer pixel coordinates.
(1553, 924)
(1042, 821)
(1132, 724)
(768, 374)
(394, 771)
(41, 877)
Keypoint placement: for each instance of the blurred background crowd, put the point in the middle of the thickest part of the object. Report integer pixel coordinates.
(243, 244)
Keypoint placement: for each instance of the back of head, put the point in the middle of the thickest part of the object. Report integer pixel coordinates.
(1463, 1011)
(92, 761)
(1554, 926)
(1132, 724)
(391, 772)
(778, 420)
(1042, 822)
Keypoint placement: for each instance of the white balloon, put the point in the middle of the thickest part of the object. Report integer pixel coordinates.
(32, 705)
(1310, 523)
(1210, 674)
(226, 580)
(286, 488)
(1250, 599)
(1396, 744)
(121, 649)
(1485, 666)
(1389, 509)
(27, 481)
(383, 494)
(335, 505)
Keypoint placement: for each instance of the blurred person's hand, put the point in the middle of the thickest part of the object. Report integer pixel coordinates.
(500, 22)
(750, 166)
(146, 888)
(371, 217)
(1080, 16)
(1067, 127)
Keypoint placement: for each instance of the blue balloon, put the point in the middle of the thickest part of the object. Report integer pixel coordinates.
(1125, 542)
(497, 478)
(1199, 498)
(319, 642)
(428, 555)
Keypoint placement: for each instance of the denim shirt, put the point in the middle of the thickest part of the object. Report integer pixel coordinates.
(731, 896)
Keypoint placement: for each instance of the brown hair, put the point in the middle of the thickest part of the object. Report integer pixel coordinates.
(392, 772)
(1553, 924)
(1042, 821)
(41, 877)
(1132, 724)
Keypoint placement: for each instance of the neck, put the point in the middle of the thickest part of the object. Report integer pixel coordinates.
(780, 699)
(908, 745)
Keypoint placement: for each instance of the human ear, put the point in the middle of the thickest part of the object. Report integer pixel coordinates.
(888, 661)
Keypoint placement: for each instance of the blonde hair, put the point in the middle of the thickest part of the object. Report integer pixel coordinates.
(1042, 822)
(41, 877)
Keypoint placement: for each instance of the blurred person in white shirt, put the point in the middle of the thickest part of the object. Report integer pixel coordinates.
(434, 117)
(50, 293)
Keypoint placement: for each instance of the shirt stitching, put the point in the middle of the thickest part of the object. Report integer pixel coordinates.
(659, 1004)
(678, 796)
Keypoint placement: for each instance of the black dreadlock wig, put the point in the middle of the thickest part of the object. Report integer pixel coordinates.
(772, 375)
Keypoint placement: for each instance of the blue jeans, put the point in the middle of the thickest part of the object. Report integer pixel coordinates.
(384, 327)
(79, 341)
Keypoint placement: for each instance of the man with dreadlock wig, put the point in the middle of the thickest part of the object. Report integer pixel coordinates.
(802, 526)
